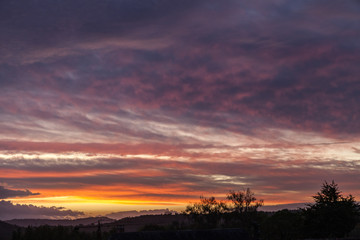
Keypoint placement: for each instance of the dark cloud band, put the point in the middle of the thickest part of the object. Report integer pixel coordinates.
(9, 193)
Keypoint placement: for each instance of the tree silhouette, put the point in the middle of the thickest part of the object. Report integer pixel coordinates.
(243, 211)
(206, 213)
(239, 211)
(332, 215)
(244, 201)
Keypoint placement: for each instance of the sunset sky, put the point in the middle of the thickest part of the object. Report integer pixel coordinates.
(117, 105)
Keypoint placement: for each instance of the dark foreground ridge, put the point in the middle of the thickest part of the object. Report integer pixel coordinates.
(6, 230)
(63, 222)
(210, 234)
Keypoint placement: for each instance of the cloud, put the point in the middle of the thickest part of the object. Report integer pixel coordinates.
(12, 211)
(8, 193)
(202, 95)
(268, 172)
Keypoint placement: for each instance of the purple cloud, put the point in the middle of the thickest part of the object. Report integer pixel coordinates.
(9, 193)
(242, 91)
(13, 211)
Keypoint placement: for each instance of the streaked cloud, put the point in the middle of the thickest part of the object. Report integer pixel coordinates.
(12, 211)
(163, 101)
(10, 193)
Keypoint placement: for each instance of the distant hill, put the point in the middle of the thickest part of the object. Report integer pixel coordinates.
(133, 224)
(51, 222)
(135, 213)
(6, 230)
(274, 208)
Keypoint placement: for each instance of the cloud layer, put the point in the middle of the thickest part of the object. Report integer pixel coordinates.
(162, 102)
(12, 211)
(9, 193)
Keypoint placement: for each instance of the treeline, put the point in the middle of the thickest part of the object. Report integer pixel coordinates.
(47, 232)
(332, 215)
(239, 211)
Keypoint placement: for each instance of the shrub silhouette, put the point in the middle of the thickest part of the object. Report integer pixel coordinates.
(243, 211)
(239, 211)
(207, 213)
(244, 201)
(332, 214)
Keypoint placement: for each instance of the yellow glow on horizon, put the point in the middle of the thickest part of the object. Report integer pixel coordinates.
(92, 206)
(96, 207)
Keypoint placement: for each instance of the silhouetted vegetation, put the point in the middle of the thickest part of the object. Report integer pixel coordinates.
(240, 211)
(243, 211)
(332, 215)
(194, 234)
(46, 232)
(282, 225)
(153, 227)
(207, 213)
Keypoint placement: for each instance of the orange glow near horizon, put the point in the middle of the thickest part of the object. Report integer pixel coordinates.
(95, 183)
(101, 206)
(103, 112)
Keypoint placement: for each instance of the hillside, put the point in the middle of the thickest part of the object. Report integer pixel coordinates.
(50, 222)
(6, 230)
(133, 224)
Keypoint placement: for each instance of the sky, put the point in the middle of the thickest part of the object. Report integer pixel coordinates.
(122, 105)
